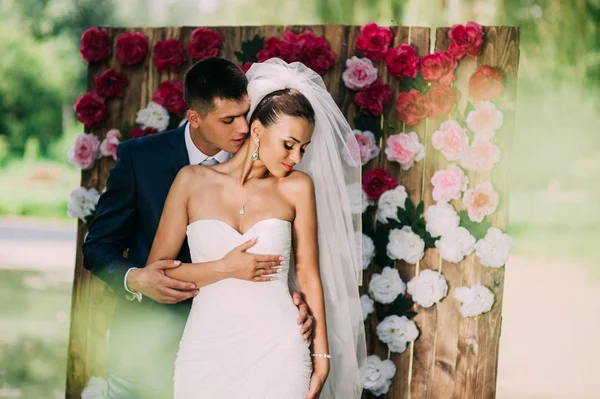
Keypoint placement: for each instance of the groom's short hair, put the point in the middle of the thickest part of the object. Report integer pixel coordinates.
(213, 78)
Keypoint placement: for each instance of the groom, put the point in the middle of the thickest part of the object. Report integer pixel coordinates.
(151, 308)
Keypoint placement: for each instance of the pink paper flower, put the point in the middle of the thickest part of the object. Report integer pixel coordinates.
(485, 120)
(359, 73)
(405, 149)
(84, 152)
(482, 155)
(109, 145)
(451, 140)
(481, 201)
(449, 183)
(367, 146)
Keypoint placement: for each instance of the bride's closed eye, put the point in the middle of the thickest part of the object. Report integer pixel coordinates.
(291, 147)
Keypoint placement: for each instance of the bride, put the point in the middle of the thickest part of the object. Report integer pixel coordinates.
(285, 191)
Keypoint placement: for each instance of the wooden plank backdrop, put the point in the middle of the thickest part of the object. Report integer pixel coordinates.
(454, 357)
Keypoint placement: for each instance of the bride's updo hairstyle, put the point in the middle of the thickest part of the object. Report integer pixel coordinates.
(288, 102)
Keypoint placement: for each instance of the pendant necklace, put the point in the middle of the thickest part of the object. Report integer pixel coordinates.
(242, 209)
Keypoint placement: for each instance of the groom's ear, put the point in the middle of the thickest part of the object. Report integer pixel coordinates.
(194, 118)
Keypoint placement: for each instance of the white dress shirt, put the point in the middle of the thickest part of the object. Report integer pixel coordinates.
(196, 156)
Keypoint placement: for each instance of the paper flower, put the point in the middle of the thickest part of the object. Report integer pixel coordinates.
(455, 245)
(428, 288)
(397, 332)
(476, 300)
(405, 245)
(494, 249)
(386, 287)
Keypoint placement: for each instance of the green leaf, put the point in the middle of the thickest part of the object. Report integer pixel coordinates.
(410, 314)
(367, 224)
(406, 84)
(468, 109)
(419, 83)
(249, 49)
(126, 132)
(371, 123)
(420, 208)
(478, 230)
(403, 217)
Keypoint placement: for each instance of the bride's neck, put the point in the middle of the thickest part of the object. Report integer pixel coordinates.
(243, 168)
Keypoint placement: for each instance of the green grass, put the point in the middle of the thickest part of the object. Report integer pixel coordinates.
(34, 328)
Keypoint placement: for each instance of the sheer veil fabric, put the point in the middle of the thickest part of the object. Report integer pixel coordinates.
(333, 163)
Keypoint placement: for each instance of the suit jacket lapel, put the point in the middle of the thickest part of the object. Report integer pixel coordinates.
(179, 154)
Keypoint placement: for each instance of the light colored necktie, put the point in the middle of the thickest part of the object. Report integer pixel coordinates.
(209, 162)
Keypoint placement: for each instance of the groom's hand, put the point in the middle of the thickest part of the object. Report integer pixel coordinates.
(152, 282)
(304, 318)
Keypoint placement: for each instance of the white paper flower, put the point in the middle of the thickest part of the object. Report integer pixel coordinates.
(358, 198)
(367, 305)
(451, 140)
(376, 375)
(368, 251)
(428, 288)
(485, 119)
(389, 202)
(83, 203)
(440, 219)
(154, 115)
(386, 287)
(97, 388)
(396, 332)
(455, 245)
(482, 155)
(476, 300)
(405, 245)
(494, 249)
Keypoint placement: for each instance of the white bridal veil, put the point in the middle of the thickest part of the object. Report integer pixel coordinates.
(333, 163)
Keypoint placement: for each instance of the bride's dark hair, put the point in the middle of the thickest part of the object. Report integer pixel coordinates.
(283, 102)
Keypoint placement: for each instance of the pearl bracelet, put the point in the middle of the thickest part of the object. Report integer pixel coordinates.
(323, 355)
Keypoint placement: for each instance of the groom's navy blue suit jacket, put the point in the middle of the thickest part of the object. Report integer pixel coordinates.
(144, 336)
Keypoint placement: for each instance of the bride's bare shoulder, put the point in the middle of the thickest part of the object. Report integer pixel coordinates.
(297, 183)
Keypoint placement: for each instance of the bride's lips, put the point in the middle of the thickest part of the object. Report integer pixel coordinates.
(288, 167)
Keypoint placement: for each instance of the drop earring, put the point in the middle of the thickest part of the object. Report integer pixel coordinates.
(255, 153)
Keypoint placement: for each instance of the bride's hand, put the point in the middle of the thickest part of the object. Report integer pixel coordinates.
(251, 267)
(317, 380)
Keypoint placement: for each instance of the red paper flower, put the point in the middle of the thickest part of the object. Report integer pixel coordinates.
(131, 48)
(372, 99)
(374, 41)
(90, 109)
(292, 45)
(318, 55)
(95, 45)
(170, 95)
(402, 61)
(137, 132)
(205, 43)
(245, 66)
(271, 48)
(376, 182)
(412, 107)
(169, 55)
(486, 83)
(439, 67)
(466, 39)
(111, 83)
(441, 99)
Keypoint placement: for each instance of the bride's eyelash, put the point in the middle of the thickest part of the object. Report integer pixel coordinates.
(289, 148)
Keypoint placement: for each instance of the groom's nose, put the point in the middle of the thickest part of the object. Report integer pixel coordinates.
(241, 125)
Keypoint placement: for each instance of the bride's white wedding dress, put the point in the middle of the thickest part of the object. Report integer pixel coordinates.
(241, 339)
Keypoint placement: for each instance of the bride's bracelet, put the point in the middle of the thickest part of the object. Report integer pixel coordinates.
(323, 355)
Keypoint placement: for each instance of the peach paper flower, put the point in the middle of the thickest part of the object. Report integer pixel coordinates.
(405, 149)
(109, 145)
(451, 140)
(449, 183)
(84, 152)
(485, 120)
(481, 201)
(482, 155)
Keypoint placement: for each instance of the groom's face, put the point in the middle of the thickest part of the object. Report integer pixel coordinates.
(225, 126)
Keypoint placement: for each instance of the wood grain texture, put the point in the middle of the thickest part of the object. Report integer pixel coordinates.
(454, 357)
